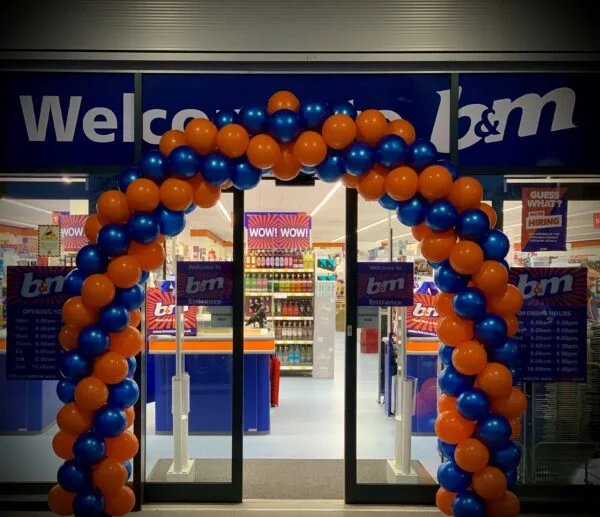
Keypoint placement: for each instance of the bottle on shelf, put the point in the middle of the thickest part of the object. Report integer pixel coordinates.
(252, 259)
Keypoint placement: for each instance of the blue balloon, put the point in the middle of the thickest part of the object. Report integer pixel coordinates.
(73, 477)
(124, 394)
(469, 303)
(127, 177)
(473, 404)
(73, 282)
(506, 457)
(224, 117)
(435, 265)
(113, 239)
(131, 366)
(114, 318)
(88, 503)
(515, 371)
(184, 162)
(254, 119)
(358, 158)
(93, 340)
(313, 114)
(448, 280)
(284, 125)
(332, 168)
(90, 260)
(495, 246)
(450, 167)
(110, 422)
(344, 108)
(505, 264)
(473, 225)
(453, 383)
(216, 169)
(422, 153)
(73, 365)
(452, 478)
(506, 354)
(491, 330)
(154, 166)
(88, 449)
(171, 223)
(144, 277)
(129, 468)
(391, 151)
(445, 353)
(143, 227)
(190, 209)
(468, 504)
(65, 389)
(130, 298)
(447, 449)
(511, 478)
(412, 212)
(441, 215)
(494, 431)
(243, 174)
(309, 171)
(388, 202)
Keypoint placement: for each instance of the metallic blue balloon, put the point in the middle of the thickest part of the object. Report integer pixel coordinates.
(468, 504)
(412, 212)
(506, 457)
(254, 119)
(453, 383)
(216, 169)
(114, 318)
(495, 246)
(184, 162)
(113, 239)
(88, 503)
(224, 117)
(93, 340)
(124, 394)
(129, 468)
(73, 477)
(441, 215)
(343, 108)
(131, 298)
(73, 282)
(190, 209)
(65, 389)
(132, 366)
(505, 264)
(491, 330)
(391, 151)
(506, 354)
(473, 404)
(144, 277)
(89, 449)
(469, 303)
(73, 365)
(435, 265)
(358, 158)
(446, 449)
(422, 154)
(154, 166)
(388, 202)
(332, 168)
(125, 178)
(450, 167)
(473, 225)
(445, 354)
(309, 171)
(448, 280)
(143, 227)
(91, 260)
(284, 125)
(313, 114)
(451, 477)
(171, 223)
(110, 422)
(511, 478)
(244, 175)
(494, 431)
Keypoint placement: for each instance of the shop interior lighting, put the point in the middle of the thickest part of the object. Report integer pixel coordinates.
(224, 212)
(43, 179)
(26, 205)
(555, 179)
(327, 197)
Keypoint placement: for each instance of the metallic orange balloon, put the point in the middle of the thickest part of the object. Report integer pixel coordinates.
(91, 394)
(73, 420)
(420, 231)
(109, 475)
(120, 502)
(515, 425)
(496, 380)
(201, 135)
(466, 193)
(514, 406)
(135, 317)
(143, 195)
(372, 184)
(287, 167)
(402, 183)
(492, 278)
(283, 100)
(404, 129)
(207, 195)
(506, 506)
(310, 149)
(110, 367)
(97, 291)
(443, 304)
(232, 140)
(466, 257)
(435, 182)
(170, 140)
(451, 427)
(490, 212)
(446, 403)
(77, 314)
(130, 414)
(263, 151)
(128, 342)
(91, 228)
(489, 483)
(471, 455)
(339, 131)
(351, 181)
(469, 358)
(371, 126)
(444, 500)
(508, 304)
(62, 445)
(124, 271)
(438, 246)
(176, 194)
(68, 337)
(122, 447)
(512, 325)
(149, 256)
(453, 330)
(112, 207)
(60, 501)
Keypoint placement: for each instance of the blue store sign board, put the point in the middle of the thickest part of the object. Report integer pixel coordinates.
(385, 284)
(205, 283)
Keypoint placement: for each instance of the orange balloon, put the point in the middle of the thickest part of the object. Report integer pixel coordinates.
(73, 420)
(496, 380)
(232, 140)
(123, 447)
(97, 291)
(130, 414)
(339, 131)
(60, 501)
(263, 151)
(402, 183)
(466, 257)
(112, 207)
(143, 195)
(207, 195)
(404, 129)
(78, 315)
(466, 193)
(283, 100)
(469, 358)
(490, 212)
(471, 455)
(438, 246)
(515, 425)
(176, 194)
(110, 367)
(128, 342)
(443, 304)
(512, 325)
(446, 403)
(514, 406)
(508, 304)
(170, 140)
(124, 271)
(435, 182)
(452, 428)
(195, 181)
(492, 278)
(91, 228)
(135, 317)
(506, 506)
(109, 475)
(351, 181)
(91, 394)
(201, 135)
(310, 148)
(371, 126)
(453, 330)
(68, 337)
(120, 502)
(227, 185)
(444, 500)
(372, 184)
(148, 256)
(62, 445)
(288, 166)
(420, 231)
(489, 483)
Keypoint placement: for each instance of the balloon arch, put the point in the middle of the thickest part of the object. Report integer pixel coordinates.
(479, 409)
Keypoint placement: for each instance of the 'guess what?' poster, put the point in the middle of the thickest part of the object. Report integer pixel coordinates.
(544, 219)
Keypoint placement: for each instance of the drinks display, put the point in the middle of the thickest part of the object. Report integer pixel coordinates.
(279, 259)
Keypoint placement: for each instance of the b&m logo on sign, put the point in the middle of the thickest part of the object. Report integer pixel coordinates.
(421, 318)
(36, 284)
(278, 230)
(205, 283)
(160, 314)
(385, 284)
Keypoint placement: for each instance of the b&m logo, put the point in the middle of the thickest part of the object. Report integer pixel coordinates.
(204, 285)
(545, 286)
(33, 287)
(422, 310)
(557, 287)
(36, 285)
(165, 309)
(384, 286)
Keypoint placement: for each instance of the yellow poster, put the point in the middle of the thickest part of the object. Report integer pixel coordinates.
(48, 240)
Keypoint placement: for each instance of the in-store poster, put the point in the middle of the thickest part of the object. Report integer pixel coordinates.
(553, 323)
(385, 284)
(34, 301)
(544, 219)
(160, 314)
(205, 283)
(49, 240)
(421, 318)
(71, 229)
(278, 230)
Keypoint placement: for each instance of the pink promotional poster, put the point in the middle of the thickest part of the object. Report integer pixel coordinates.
(71, 227)
(544, 219)
(278, 230)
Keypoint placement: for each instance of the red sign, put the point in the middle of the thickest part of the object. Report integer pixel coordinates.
(597, 220)
(160, 314)
(278, 230)
(71, 228)
(422, 317)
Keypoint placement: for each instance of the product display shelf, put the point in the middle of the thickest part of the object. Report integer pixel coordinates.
(278, 270)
